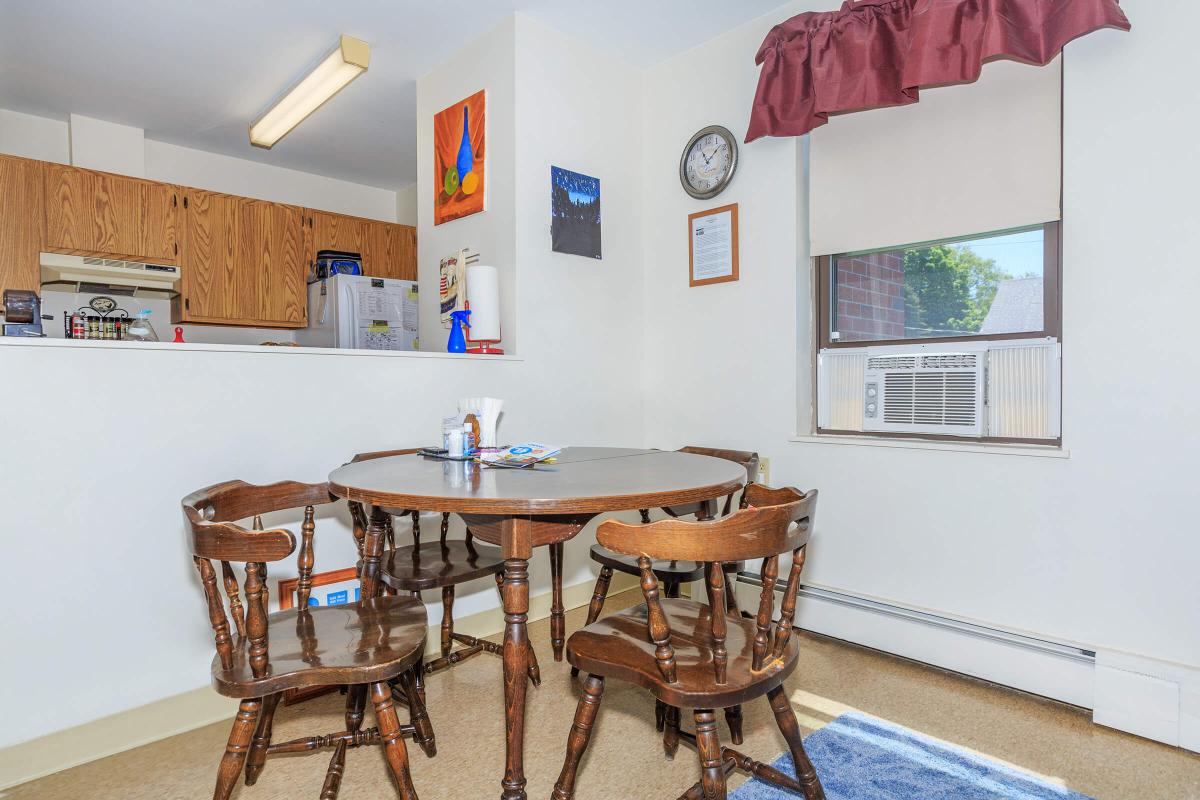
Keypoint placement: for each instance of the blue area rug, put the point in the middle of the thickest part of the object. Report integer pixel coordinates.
(862, 758)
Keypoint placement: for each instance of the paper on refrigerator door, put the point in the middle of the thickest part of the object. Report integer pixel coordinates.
(379, 316)
(411, 306)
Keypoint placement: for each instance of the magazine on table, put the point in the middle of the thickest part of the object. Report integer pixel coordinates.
(521, 455)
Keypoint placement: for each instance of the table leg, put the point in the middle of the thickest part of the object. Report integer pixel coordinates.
(515, 592)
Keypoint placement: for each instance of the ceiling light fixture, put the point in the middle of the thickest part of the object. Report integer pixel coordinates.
(343, 64)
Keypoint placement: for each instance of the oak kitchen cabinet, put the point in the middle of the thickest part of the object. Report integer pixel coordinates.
(20, 223)
(243, 262)
(89, 212)
(388, 250)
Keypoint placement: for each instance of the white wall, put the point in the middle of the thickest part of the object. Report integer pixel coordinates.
(1098, 548)
(491, 233)
(107, 146)
(183, 165)
(575, 109)
(113, 538)
(47, 139)
(406, 205)
(30, 136)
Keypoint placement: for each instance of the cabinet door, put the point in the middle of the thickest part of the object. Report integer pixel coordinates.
(20, 223)
(210, 250)
(271, 267)
(337, 232)
(393, 250)
(242, 262)
(96, 212)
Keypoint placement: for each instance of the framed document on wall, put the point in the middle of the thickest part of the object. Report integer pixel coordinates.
(713, 246)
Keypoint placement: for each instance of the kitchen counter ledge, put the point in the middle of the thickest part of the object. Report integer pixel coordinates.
(100, 344)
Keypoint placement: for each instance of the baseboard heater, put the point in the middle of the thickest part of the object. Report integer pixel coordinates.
(1044, 667)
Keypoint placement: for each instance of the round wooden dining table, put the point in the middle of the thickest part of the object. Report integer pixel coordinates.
(520, 509)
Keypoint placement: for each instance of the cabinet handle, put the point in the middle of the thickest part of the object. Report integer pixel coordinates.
(176, 245)
(174, 200)
(187, 304)
(185, 201)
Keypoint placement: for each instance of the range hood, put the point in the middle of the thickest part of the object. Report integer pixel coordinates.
(64, 273)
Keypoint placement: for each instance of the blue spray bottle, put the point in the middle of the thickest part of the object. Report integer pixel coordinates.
(458, 341)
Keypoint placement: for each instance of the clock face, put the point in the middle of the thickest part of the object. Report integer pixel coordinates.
(708, 162)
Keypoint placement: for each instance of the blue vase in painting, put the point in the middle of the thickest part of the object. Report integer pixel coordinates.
(465, 157)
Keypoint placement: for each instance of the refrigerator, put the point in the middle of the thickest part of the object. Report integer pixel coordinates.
(361, 312)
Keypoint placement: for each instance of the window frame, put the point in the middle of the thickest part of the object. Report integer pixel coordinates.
(1051, 294)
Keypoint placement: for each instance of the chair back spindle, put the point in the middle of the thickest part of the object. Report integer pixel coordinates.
(256, 619)
(766, 607)
(216, 612)
(306, 559)
(716, 607)
(787, 609)
(235, 602)
(657, 625)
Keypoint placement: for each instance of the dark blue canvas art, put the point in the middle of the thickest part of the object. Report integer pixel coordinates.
(575, 213)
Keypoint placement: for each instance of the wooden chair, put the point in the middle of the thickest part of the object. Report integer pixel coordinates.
(361, 645)
(674, 573)
(695, 655)
(443, 564)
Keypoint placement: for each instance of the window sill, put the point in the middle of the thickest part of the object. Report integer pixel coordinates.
(1027, 450)
(100, 344)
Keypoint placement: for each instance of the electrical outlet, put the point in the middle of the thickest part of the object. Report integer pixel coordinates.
(764, 472)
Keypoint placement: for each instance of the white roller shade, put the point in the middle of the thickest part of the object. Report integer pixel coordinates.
(966, 159)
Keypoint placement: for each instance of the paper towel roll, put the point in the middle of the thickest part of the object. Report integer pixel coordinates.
(483, 293)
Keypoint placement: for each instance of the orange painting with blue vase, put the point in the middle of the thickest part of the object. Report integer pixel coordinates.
(459, 155)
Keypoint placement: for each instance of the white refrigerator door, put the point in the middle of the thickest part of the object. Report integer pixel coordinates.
(380, 314)
(322, 317)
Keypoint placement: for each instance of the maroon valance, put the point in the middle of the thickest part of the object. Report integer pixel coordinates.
(877, 53)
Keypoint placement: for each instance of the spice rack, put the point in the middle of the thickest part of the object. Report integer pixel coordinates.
(100, 319)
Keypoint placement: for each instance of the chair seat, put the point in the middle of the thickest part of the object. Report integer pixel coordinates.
(330, 645)
(670, 571)
(616, 646)
(436, 564)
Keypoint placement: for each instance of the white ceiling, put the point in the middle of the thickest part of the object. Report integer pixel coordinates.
(196, 72)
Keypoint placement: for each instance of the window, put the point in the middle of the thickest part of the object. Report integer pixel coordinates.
(957, 338)
(990, 286)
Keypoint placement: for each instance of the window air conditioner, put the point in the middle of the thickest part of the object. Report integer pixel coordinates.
(922, 392)
(1002, 389)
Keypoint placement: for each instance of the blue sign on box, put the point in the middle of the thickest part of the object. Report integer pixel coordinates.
(337, 598)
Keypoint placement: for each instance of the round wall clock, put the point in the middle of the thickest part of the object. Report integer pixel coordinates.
(708, 162)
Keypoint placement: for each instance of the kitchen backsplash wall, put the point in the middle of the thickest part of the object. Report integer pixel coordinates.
(60, 303)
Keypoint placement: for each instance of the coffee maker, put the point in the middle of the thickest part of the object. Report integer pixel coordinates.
(22, 313)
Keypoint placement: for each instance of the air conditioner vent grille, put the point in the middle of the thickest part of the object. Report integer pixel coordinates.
(950, 361)
(892, 362)
(931, 398)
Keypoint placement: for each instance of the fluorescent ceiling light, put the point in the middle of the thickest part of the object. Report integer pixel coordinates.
(345, 63)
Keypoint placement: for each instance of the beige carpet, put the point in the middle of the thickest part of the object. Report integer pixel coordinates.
(626, 760)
